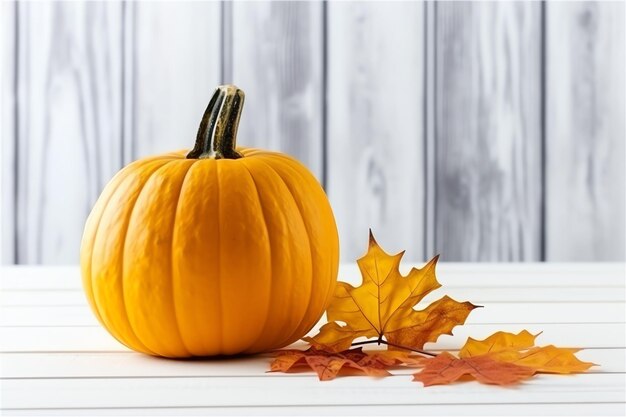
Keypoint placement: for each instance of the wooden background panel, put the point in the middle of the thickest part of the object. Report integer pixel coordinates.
(487, 133)
(68, 119)
(375, 125)
(585, 131)
(277, 59)
(434, 131)
(8, 26)
(175, 52)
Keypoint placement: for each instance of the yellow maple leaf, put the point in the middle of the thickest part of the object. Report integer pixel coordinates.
(382, 306)
(520, 349)
(497, 343)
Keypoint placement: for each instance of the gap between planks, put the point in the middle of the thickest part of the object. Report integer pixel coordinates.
(114, 365)
(569, 294)
(449, 274)
(565, 334)
(522, 409)
(67, 393)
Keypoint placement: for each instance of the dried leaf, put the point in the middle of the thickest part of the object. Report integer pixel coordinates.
(383, 305)
(502, 358)
(555, 360)
(438, 318)
(520, 349)
(498, 342)
(327, 365)
(445, 368)
(397, 357)
(335, 338)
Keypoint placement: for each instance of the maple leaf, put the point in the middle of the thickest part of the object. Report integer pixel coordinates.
(502, 358)
(520, 349)
(498, 342)
(438, 318)
(327, 365)
(397, 357)
(383, 306)
(446, 368)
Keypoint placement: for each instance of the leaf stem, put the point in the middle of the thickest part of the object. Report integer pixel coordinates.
(384, 342)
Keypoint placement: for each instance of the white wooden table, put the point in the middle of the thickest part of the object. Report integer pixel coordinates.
(57, 360)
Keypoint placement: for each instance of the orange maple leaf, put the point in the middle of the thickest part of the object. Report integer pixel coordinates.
(328, 365)
(520, 349)
(502, 358)
(446, 368)
(382, 306)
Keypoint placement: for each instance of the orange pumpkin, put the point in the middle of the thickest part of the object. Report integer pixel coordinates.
(217, 251)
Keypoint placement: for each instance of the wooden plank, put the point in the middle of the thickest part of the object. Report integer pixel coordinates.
(47, 316)
(69, 122)
(430, 114)
(8, 108)
(573, 409)
(89, 339)
(549, 312)
(81, 339)
(585, 131)
(375, 125)
(136, 365)
(514, 275)
(176, 67)
(488, 131)
(476, 294)
(277, 59)
(449, 274)
(22, 277)
(115, 364)
(262, 391)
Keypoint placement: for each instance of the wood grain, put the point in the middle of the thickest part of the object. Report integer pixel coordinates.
(127, 364)
(451, 274)
(289, 390)
(56, 354)
(585, 131)
(8, 109)
(479, 296)
(487, 134)
(424, 119)
(502, 312)
(175, 53)
(277, 59)
(375, 125)
(68, 119)
(561, 409)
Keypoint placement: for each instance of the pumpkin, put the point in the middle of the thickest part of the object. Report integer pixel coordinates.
(218, 251)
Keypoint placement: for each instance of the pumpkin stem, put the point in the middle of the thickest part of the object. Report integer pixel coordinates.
(217, 135)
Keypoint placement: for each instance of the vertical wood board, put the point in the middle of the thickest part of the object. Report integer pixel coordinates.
(375, 125)
(487, 135)
(175, 48)
(69, 119)
(586, 131)
(425, 118)
(277, 59)
(8, 113)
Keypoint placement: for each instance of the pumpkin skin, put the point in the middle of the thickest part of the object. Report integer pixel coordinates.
(210, 256)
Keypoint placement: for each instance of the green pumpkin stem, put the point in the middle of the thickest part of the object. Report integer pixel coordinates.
(217, 135)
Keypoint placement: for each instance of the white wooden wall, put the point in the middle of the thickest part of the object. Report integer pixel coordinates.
(277, 59)
(375, 147)
(585, 122)
(487, 123)
(486, 131)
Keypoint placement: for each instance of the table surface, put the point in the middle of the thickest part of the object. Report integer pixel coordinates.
(57, 360)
